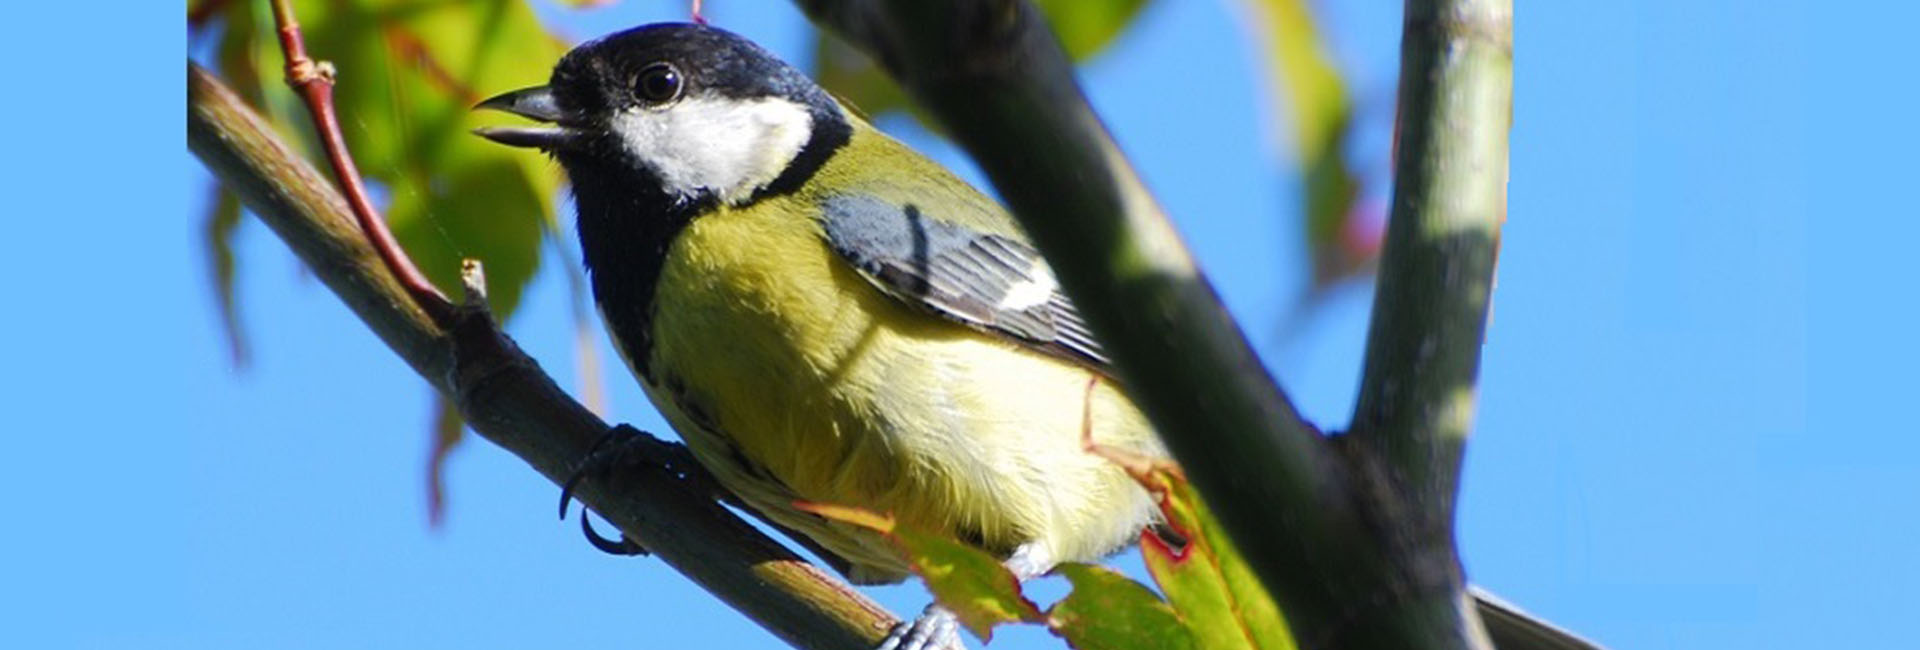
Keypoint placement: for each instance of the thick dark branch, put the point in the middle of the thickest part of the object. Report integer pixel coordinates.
(1430, 309)
(506, 398)
(1417, 394)
(1354, 561)
(995, 76)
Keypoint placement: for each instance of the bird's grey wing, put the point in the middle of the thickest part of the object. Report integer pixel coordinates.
(991, 282)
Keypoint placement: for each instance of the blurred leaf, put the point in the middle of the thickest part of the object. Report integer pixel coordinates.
(448, 430)
(408, 73)
(1107, 610)
(1321, 111)
(1213, 599)
(223, 220)
(1206, 580)
(586, 351)
(199, 11)
(1084, 28)
(852, 77)
(963, 579)
(241, 50)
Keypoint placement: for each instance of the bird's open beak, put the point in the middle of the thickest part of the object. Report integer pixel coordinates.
(534, 103)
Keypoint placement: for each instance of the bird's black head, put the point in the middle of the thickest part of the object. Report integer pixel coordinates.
(656, 124)
(690, 112)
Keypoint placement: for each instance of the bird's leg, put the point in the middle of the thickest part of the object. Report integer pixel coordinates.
(610, 451)
(1029, 561)
(938, 629)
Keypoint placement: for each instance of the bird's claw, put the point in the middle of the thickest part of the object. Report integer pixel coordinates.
(607, 452)
(935, 629)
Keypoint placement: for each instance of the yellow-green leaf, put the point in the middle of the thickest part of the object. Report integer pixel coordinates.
(965, 580)
(1107, 610)
(223, 220)
(1086, 26)
(448, 429)
(1339, 239)
(851, 76)
(1206, 580)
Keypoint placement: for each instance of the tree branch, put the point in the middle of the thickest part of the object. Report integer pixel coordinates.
(506, 398)
(995, 76)
(1354, 562)
(1417, 393)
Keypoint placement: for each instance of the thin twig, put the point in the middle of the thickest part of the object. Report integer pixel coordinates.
(313, 81)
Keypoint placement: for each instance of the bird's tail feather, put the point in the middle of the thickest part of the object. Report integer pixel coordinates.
(1512, 628)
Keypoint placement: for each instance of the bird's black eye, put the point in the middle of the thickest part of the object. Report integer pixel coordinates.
(658, 84)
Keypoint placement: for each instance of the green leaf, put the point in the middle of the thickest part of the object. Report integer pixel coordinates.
(852, 77)
(1341, 241)
(1109, 610)
(1084, 27)
(963, 579)
(448, 430)
(969, 582)
(223, 221)
(1213, 599)
(408, 73)
(1207, 581)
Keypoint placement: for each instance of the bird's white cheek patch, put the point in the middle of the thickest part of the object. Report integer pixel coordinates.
(729, 147)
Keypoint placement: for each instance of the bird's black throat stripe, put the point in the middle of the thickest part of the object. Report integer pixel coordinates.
(628, 224)
(830, 132)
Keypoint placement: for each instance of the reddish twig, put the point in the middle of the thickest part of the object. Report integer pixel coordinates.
(313, 81)
(697, 17)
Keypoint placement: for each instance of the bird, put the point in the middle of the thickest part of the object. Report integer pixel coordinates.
(825, 315)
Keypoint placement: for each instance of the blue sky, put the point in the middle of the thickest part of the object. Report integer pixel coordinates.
(1694, 428)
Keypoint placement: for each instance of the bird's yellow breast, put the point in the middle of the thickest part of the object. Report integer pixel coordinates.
(792, 378)
(761, 329)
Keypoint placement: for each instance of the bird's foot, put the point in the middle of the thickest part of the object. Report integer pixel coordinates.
(610, 451)
(935, 629)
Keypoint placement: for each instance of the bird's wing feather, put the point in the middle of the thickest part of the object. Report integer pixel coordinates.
(992, 282)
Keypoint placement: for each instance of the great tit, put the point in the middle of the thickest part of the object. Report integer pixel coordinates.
(827, 316)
